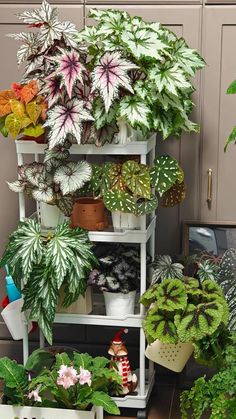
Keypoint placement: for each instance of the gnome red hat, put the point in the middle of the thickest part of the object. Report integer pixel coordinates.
(117, 339)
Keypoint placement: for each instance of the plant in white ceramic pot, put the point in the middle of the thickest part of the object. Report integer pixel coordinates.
(118, 276)
(53, 183)
(43, 264)
(65, 386)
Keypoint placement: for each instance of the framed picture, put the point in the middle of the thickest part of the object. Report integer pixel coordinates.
(214, 238)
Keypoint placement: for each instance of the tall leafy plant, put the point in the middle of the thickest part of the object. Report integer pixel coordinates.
(42, 264)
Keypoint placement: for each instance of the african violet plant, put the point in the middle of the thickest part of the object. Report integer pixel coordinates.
(123, 73)
(66, 381)
(128, 186)
(55, 181)
(184, 310)
(22, 110)
(42, 264)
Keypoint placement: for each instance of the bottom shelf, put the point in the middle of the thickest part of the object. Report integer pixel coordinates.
(137, 401)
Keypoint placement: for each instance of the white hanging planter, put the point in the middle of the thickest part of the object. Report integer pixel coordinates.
(119, 304)
(50, 215)
(25, 412)
(14, 319)
(126, 221)
(170, 355)
(81, 306)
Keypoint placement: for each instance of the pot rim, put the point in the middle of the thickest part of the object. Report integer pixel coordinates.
(88, 201)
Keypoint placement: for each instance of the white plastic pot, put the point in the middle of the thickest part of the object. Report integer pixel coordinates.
(14, 319)
(23, 412)
(119, 304)
(170, 355)
(81, 306)
(50, 215)
(125, 221)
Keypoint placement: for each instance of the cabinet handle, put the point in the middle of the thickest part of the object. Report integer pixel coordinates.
(209, 186)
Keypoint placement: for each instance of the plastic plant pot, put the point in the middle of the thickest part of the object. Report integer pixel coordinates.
(125, 221)
(14, 319)
(170, 355)
(50, 215)
(118, 304)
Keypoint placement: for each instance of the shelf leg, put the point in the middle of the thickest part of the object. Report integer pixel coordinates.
(20, 161)
(25, 341)
(142, 363)
(99, 412)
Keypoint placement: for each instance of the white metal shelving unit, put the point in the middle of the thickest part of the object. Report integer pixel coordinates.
(144, 237)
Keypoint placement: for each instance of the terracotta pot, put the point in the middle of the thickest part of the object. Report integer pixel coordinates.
(89, 213)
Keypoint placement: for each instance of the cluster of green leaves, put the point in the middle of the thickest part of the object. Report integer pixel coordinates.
(128, 186)
(55, 181)
(216, 396)
(43, 368)
(183, 310)
(151, 85)
(45, 264)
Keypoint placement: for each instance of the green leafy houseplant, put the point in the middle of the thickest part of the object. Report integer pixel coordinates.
(184, 310)
(215, 397)
(74, 382)
(55, 181)
(42, 264)
(121, 75)
(128, 187)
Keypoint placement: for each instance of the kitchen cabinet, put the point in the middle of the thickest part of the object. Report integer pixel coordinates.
(218, 115)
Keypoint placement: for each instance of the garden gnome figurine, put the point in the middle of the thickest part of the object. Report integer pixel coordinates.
(119, 355)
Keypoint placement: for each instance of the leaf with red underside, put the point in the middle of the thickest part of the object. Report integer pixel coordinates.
(69, 69)
(109, 75)
(66, 119)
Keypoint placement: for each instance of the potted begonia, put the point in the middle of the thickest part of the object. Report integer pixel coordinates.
(68, 386)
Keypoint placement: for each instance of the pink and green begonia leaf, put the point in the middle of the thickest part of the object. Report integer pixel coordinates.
(110, 74)
(53, 89)
(66, 119)
(69, 69)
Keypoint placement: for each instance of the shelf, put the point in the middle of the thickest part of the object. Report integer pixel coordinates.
(132, 148)
(137, 401)
(131, 320)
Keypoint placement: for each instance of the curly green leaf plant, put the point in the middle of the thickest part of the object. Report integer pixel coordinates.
(45, 263)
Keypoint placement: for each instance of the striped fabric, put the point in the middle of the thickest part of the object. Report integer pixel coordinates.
(123, 368)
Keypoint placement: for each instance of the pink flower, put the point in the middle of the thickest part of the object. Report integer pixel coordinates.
(35, 395)
(84, 377)
(67, 376)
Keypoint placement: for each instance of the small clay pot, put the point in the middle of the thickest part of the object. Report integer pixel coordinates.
(89, 213)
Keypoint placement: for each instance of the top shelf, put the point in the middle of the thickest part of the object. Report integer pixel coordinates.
(132, 148)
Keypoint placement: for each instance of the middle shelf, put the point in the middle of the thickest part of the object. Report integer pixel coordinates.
(130, 320)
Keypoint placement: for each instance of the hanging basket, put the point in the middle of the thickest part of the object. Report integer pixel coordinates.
(23, 412)
(170, 355)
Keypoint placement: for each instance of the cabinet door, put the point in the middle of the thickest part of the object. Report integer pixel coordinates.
(185, 21)
(218, 114)
(9, 213)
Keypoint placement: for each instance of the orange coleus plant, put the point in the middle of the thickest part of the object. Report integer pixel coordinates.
(22, 110)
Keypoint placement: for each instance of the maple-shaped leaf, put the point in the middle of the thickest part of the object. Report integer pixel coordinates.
(69, 69)
(33, 17)
(109, 75)
(30, 45)
(53, 89)
(170, 77)
(144, 43)
(72, 176)
(188, 59)
(5, 101)
(135, 111)
(29, 91)
(66, 119)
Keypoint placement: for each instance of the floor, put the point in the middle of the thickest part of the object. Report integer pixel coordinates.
(164, 401)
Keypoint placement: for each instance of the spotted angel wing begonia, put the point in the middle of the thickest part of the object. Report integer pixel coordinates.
(66, 119)
(69, 69)
(110, 74)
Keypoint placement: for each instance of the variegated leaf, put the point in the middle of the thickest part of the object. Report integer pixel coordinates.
(53, 89)
(109, 75)
(17, 186)
(135, 111)
(69, 68)
(170, 78)
(146, 206)
(188, 59)
(119, 201)
(66, 119)
(101, 117)
(174, 196)
(137, 179)
(30, 46)
(43, 193)
(72, 176)
(164, 173)
(43, 15)
(144, 43)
